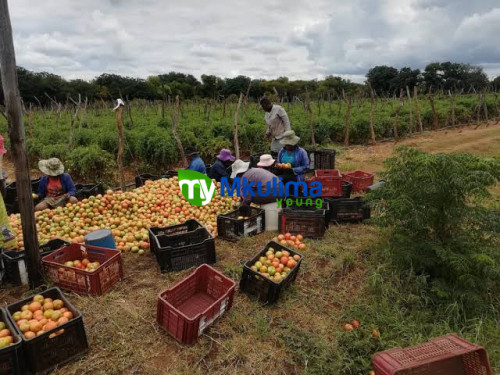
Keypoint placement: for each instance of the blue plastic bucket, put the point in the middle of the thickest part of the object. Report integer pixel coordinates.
(101, 238)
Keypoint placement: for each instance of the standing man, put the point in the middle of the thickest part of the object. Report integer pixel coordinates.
(277, 123)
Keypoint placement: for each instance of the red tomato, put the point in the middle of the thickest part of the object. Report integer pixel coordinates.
(284, 260)
(355, 324)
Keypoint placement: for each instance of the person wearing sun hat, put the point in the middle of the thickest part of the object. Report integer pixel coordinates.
(56, 187)
(253, 177)
(293, 154)
(223, 162)
(266, 161)
(195, 162)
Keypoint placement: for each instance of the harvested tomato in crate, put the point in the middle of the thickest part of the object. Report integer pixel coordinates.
(263, 285)
(243, 222)
(448, 354)
(63, 341)
(11, 353)
(101, 268)
(360, 180)
(192, 305)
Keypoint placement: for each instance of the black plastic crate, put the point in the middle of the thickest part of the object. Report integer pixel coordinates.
(321, 159)
(42, 353)
(266, 290)
(14, 262)
(51, 246)
(170, 174)
(180, 251)
(231, 228)
(346, 189)
(173, 230)
(307, 204)
(142, 178)
(11, 195)
(11, 357)
(348, 210)
(310, 223)
(84, 191)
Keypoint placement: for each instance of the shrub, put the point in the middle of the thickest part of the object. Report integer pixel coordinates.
(90, 163)
(439, 229)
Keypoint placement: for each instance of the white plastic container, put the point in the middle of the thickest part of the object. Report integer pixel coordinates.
(271, 212)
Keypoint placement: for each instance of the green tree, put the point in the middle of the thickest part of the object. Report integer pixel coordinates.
(439, 228)
(383, 79)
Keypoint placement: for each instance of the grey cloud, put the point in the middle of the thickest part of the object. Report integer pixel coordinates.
(302, 39)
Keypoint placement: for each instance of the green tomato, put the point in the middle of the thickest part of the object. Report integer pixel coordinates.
(2, 325)
(279, 254)
(271, 271)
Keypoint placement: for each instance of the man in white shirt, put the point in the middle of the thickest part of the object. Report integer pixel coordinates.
(277, 123)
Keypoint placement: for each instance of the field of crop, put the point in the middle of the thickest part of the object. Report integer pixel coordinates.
(343, 277)
(89, 149)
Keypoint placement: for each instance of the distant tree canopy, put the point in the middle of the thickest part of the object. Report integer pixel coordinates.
(37, 87)
(386, 80)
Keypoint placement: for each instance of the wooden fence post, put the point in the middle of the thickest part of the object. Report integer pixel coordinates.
(121, 141)
(175, 124)
(417, 109)
(18, 145)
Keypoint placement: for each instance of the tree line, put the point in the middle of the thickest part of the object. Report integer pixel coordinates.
(40, 88)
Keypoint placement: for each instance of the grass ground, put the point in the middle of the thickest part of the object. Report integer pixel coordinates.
(300, 334)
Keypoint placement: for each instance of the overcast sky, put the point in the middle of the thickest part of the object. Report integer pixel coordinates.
(301, 39)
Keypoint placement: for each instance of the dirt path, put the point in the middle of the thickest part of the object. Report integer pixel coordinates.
(482, 141)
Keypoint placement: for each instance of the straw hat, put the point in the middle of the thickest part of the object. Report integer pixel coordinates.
(51, 167)
(289, 138)
(266, 160)
(239, 166)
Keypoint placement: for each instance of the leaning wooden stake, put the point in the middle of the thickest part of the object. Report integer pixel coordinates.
(347, 119)
(417, 109)
(121, 141)
(434, 113)
(310, 117)
(452, 102)
(236, 142)
(372, 117)
(175, 124)
(411, 110)
(18, 146)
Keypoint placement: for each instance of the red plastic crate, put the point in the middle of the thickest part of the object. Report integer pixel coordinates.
(73, 279)
(360, 180)
(191, 306)
(331, 182)
(448, 354)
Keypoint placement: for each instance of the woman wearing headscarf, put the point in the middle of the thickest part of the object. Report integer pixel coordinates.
(219, 169)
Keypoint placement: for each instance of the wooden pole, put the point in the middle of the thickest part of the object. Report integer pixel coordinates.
(121, 143)
(372, 117)
(417, 109)
(347, 119)
(411, 110)
(452, 99)
(307, 106)
(18, 146)
(434, 113)
(236, 114)
(175, 124)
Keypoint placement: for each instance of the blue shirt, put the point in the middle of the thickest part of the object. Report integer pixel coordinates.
(66, 182)
(300, 162)
(218, 171)
(197, 165)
